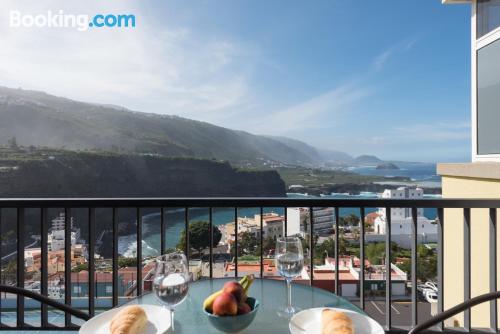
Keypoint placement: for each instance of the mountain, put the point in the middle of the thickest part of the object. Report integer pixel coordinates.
(367, 160)
(311, 152)
(333, 156)
(39, 119)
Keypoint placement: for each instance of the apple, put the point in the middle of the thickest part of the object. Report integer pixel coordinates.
(236, 290)
(244, 308)
(225, 304)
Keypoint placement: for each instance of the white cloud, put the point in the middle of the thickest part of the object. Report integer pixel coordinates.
(399, 48)
(381, 59)
(312, 113)
(159, 69)
(423, 133)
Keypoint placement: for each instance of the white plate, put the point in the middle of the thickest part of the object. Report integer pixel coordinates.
(309, 322)
(158, 321)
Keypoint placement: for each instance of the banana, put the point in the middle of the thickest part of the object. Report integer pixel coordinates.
(248, 283)
(245, 282)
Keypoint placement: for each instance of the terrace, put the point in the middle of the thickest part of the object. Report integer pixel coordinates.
(117, 280)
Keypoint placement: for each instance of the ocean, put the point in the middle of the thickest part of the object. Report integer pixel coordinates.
(420, 173)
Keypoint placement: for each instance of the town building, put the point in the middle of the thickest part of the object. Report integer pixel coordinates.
(56, 236)
(273, 225)
(299, 221)
(349, 276)
(402, 220)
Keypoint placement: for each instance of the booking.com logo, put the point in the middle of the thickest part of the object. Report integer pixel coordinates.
(61, 20)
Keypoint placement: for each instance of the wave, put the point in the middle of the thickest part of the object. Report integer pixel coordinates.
(127, 247)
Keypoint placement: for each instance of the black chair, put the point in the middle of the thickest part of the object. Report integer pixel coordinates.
(45, 300)
(454, 311)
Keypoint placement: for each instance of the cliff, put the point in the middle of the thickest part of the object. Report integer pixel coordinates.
(72, 174)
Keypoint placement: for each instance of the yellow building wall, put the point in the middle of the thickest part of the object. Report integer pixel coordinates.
(463, 187)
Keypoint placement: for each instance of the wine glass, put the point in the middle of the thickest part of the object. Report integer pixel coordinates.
(170, 281)
(289, 261)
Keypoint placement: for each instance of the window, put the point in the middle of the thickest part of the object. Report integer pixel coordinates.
(487, 16)
(109, 289)
(488, 99)
(77, 289)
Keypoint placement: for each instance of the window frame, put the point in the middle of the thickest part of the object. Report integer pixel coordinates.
(476, 45)
(476, 28)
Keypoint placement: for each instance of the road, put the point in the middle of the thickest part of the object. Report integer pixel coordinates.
(400, 312)
(10, 255)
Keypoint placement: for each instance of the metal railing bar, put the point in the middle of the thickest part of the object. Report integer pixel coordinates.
(440, 268)
(44, 219)
(162, 233)
(362, 258)
(261, 243)
(211, 241)
(493, 266)
(235, 241)
(244, 202)
(467, 287)
(388, 271)
(139, 251)
(115, 257)
(285, 215)
(67, 263)
(337, 238)
(91, 273)
(454, 311)
(311, 246)
(43, 299)
(20, 265)
(414, 301)
(186, 229)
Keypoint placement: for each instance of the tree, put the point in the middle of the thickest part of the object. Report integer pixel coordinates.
(343, 245)
(247, 244)
(80, 267)
(127, 262)
(326, 248)
(350, 220)
(305, 221)
(199, 236)
(426, 264)
(268, 244)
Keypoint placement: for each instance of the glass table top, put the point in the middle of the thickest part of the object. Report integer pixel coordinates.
(189, 316)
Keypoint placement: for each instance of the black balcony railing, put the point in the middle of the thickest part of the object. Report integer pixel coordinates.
(138, 205)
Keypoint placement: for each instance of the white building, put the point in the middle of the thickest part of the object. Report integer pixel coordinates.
(402, 221)
(56, 236)
(299, 220)
(402, 193)
(273, 225)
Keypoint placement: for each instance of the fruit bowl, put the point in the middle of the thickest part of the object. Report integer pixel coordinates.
(235, 323)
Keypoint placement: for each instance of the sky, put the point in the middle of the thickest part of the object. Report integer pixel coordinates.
(389, 78)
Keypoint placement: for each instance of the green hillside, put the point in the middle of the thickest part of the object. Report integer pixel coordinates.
(36, 118)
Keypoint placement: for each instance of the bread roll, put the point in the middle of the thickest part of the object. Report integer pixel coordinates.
(334, 322)
(130, 320)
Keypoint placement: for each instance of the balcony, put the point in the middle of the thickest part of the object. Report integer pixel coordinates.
(67, 275)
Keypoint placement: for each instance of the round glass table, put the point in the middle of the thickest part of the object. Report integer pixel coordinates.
(189, 316)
